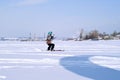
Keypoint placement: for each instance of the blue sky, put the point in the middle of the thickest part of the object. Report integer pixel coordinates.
(63, 17)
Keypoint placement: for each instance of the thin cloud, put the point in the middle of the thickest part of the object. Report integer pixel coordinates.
(30, 2)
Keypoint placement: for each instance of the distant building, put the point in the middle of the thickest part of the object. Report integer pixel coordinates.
(118, 36)
(9, 39)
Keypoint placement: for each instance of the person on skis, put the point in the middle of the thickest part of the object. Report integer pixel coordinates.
(49, 39)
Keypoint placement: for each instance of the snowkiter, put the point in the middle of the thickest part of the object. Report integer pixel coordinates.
(49, 39)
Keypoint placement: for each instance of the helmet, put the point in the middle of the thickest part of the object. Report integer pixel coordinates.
(50, 33)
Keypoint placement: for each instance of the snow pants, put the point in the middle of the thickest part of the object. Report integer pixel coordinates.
(51, 47)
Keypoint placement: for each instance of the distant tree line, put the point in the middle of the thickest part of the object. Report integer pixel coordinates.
(96, 35)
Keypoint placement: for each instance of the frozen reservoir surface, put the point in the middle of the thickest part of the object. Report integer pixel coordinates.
(80, 60)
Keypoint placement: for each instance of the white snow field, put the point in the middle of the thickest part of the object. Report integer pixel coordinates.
(80, 60)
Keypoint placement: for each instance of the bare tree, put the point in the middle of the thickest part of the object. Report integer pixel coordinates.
(114, 33)
(94, 34)
(81, 34)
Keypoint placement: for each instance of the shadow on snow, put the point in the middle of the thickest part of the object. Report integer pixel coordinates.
(83, 67)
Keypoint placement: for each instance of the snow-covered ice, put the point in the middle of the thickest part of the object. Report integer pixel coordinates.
(80, 60)
(106, 61)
